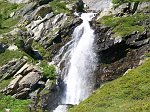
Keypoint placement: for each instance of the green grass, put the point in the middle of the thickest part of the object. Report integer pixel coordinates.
(148, 54)
(7, 25)
(9, 55)
(7, 102)
(129, 93)
(49, 71)
(124, 25)
(41, 50)
(59, 6)
(15, 105)
(7, 22)
(4, 84)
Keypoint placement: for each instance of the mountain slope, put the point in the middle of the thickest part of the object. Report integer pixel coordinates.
(130, 93)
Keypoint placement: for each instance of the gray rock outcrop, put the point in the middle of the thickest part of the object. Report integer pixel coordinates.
(8, 70)
(25, 81)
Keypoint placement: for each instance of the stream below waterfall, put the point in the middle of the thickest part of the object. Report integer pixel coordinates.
(76, 66)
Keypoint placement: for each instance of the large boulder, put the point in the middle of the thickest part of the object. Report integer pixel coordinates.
(27, 84)
(13, 85)
(30, 80)
(25, 81)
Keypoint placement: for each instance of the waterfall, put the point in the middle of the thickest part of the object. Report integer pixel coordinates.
(77, 65)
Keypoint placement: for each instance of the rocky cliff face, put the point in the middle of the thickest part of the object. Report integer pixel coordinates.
(117, 55)
(45, 26)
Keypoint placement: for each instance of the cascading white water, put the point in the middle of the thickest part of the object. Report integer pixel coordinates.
(79, 65)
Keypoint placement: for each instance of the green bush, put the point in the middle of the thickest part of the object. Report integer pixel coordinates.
(49, 71)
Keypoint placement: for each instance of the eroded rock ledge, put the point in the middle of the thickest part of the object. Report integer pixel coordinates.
(117, 55)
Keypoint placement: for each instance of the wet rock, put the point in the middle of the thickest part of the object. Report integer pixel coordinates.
(79, 6)
(49, 85)
(34, 95)
(49, 96)
(138, 39)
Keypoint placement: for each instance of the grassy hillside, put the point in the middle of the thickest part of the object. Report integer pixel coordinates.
(7, 22)
(123, 26)
(130, 93)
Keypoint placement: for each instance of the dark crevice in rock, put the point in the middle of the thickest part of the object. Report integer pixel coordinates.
(114, 53)
(57, 39)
